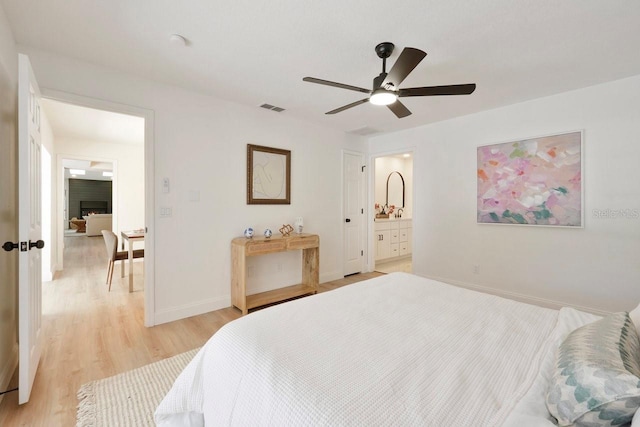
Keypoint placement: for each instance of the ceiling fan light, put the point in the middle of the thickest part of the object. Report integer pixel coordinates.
(383, 97)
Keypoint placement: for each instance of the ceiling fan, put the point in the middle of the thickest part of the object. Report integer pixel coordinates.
(386, 90)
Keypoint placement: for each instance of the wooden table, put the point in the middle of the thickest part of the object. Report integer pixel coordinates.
(241, 248)
(131, 237)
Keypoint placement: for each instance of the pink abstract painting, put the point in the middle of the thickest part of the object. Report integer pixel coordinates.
(536, 181)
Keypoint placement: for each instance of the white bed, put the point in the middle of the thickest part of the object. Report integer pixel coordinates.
(395, 350)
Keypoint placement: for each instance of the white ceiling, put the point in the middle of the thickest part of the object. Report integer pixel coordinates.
(73, 121)
(255, 52)
(93, 169)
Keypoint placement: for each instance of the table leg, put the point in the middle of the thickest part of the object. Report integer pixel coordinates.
(130, 267)
(122, 262)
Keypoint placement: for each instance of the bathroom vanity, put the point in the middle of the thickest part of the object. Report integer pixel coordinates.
(393, 238)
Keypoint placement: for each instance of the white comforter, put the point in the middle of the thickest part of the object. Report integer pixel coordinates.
(394, 350)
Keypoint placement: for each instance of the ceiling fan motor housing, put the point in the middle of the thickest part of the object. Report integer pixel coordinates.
(384, 49)
(377, 81)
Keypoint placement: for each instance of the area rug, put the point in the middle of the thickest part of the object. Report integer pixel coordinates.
(130, 398)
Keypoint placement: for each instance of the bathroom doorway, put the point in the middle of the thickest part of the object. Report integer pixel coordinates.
(393, 223)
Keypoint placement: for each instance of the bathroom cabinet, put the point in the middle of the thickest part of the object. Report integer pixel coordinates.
(393, 238)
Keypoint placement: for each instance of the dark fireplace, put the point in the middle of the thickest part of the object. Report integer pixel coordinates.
(93, 207)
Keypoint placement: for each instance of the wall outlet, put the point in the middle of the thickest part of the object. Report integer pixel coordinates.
(476, 269)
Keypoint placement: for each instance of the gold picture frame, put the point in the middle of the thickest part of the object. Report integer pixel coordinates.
(268, 175)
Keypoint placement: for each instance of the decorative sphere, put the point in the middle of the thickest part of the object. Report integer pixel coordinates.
(267, 233)
(248, 233)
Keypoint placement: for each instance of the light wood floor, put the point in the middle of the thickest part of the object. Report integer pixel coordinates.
(404, 265)
(90, 334)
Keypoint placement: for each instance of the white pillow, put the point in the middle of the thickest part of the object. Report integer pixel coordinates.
(635, 422)
(597, 374)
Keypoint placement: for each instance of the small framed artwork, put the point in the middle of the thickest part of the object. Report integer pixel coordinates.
(268, 176)
(534, 181)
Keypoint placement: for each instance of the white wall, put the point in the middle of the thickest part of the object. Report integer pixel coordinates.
(8, 201)
(65, 210)
(200, 145)
(597, 266)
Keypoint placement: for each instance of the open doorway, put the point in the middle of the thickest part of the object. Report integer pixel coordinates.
(97, 151)
(393, 224)
(88, 197)
(100, 182)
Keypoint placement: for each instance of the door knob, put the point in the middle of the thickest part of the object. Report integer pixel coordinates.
(9, 246)
(37, 244)
(347, 220)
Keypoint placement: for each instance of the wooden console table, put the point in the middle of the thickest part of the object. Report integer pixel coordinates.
(241, 248)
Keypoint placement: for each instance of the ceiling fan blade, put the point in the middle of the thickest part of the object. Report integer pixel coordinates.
(399, 109)
(465, 89)
(334, 84)
(346, 107)
(406, 62)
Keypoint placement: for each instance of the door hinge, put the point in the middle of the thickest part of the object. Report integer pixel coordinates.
(361, 211)
(362, 168)
(361, 253)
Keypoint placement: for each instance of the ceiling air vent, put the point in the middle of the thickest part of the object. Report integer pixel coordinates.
(272, 108)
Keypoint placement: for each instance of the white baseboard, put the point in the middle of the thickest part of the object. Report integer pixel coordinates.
(189, 310)
(9, 369)
(47, 276)
(542, 302)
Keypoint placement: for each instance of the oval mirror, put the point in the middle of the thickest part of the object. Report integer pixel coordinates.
(395, 189)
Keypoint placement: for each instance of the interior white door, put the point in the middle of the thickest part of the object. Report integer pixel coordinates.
(29, 229)
(353, 175)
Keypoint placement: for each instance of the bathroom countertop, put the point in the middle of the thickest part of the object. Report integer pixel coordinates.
(393, 219)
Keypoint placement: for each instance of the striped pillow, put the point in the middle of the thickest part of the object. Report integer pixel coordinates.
(597, 377)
